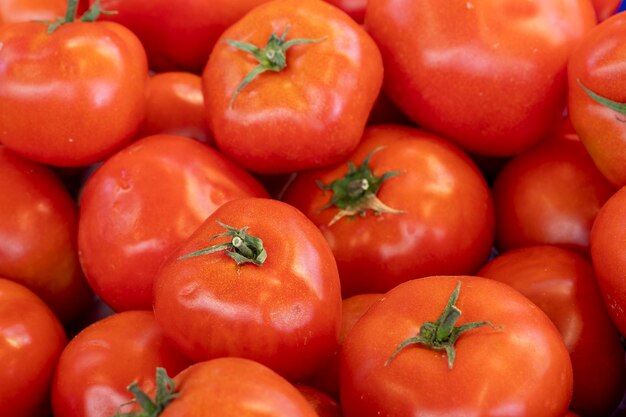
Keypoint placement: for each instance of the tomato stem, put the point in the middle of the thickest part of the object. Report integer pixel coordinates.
(271, 58)
(443, 333)
(70, 15)
(613, 105)
(165, 394)
(242, 248)
(355, 193)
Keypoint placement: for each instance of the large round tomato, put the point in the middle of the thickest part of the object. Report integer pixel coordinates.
(608, 253)
(31, 340)
(317, 78)
(519, 368)
(564, 286)
(38, 222)
(269, 291)
(597, 74)
(432, 214)
(71, 97)
(549, 195)
(488, 74)
(97, 365)
(142, 203)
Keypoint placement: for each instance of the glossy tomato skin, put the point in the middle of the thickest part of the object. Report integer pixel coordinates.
(607, 243)
(285, 313)
(175, 105)
(354, 8)
(38, 223)
(447, 224)
(145, 201)
(488, 74)
(520, 369)
(563, 284)
(550, 194)
(596, 63)
(177, 37)
(31, 341)
(310, 114)
(72, 97)
(13, 11)
(235, 387)
(97, 366)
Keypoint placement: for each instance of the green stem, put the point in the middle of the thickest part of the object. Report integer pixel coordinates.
(613, 105)
(70, 15)
(165, 394)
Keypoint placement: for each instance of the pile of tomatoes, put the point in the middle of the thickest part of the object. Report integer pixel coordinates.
(312, 208)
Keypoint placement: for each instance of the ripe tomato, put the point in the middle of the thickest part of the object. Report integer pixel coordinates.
(13, 11)
(596, 65)
(97, 365)
(145, 201)
(310, 106)
(607, 245)
(276, 301)
(488, 74)
(38, 222)
(229, 387)
(520, 368)
(175, 105)
(549, 195)
(564, 286)
(71, 97)
(177, 37)
(438, 217)
(31, 340)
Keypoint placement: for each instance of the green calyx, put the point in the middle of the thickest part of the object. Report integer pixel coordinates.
(70, 15)
(165, 394)
(613, 105)
(243, 248)
(355, 193)
(443, 333)
(271, 58)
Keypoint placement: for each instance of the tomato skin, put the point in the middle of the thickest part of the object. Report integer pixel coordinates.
(96, 367)
(310, 114)
(285, 314)
(563, 284)
(38, 221)
(31, 340)
(175, 106)
(72, 97)
(607, 243)
(521, 369)
(323, 405)
(157, 23)
(354, 8)
(145, 201)
(488, 74)
(13, 11)
(549, 195)
(596, 63)
(436, 234)
(605, 8)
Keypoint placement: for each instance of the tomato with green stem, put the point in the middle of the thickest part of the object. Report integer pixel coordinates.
(72, 90)
(491, 352)
(290, 86)
(255, 280)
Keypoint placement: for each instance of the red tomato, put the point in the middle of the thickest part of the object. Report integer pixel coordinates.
(177, 36)
(520, 368)
(175, 105)
(31, 340)
(354, 8)
(72, 97)
(38, 222)
(145, 201)
(564, 286)
(488, 74)
(323, 405)
(97, 365)
(230, 387)
(549, 195)
(13, 11)
(608, 245)
(310, 108)
(439, 217)
(276, 301)
(597, 66)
